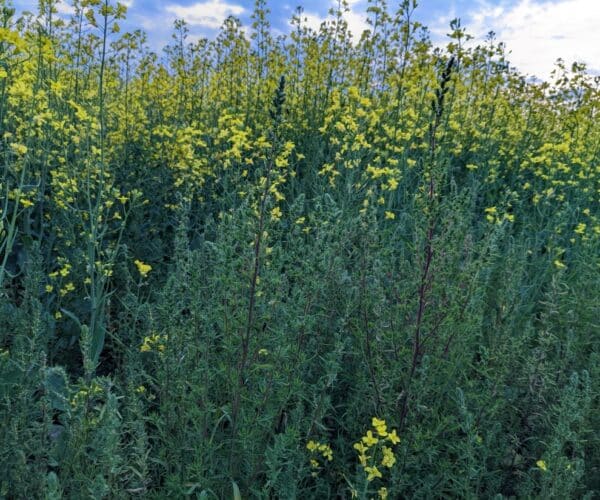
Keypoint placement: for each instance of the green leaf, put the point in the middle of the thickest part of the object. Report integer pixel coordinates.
(236, 491)
(57, 388)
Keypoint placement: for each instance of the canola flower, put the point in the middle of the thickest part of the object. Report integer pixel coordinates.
(154, 342)
(142, 268)
(375, 451)
(380, 426)
(86, 393)
(369, 439)
(389, 458)
(276, 214)
(393, 437)
(318, 451)
(156, 132)
(373, 473)
(67, 288)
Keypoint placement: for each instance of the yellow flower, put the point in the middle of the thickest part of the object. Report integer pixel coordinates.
(142, 268)
(372, 473)
(559, 264)
(369, 439)
(383, 493)
(361, 448)
(393, 437)
(326, 451)
(141, 389)
(380, 426)
(19, 148)
(388, 459)
(312, 445)
(69, 287)
(146, 347)
(276, 214)
(542, 465)
(390, 215)
(314, 463)
(49, 288)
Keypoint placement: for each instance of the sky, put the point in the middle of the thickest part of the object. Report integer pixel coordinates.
(536, 32)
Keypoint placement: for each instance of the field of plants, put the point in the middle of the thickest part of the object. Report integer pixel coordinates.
(300, 266)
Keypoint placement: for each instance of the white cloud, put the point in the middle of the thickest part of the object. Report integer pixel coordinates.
(538, 32)
(356, 18)
(312, 20)
(357, 22)
(210, 14)
(64, 9)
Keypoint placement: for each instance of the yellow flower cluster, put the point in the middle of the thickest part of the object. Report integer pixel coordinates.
(493, 217)
(350, 122)
(317, 451)
(85, 393)
(276, 214)
(69, 287)
(156, 341)
(373, 450)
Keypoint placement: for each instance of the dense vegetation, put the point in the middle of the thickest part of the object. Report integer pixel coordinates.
(304, 266)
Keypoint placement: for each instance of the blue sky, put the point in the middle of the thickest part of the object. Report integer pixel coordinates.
(535, 31)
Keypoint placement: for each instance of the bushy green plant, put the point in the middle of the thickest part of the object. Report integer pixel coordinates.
(326, 265)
